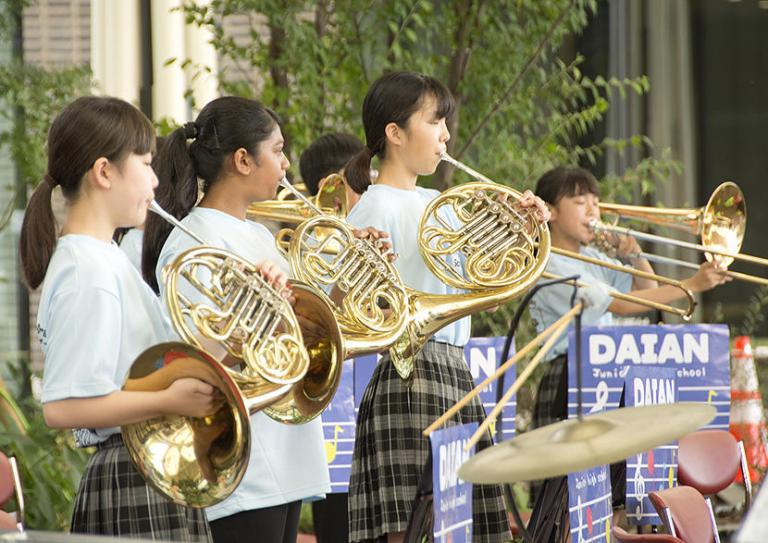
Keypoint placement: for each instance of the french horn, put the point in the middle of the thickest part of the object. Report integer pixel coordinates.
(199, 462)
(371, 302)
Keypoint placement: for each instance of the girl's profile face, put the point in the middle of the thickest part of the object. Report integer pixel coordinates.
(572, 215)
(424, 138)
(271, 165)
(133, 189)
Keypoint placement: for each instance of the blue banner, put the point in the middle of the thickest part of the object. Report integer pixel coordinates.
(653, 470)
(482, 356)
(339, 430)
(589, 505)
(699, 354)
(452, 497)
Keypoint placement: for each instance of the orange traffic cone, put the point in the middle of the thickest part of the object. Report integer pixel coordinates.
(747, 421)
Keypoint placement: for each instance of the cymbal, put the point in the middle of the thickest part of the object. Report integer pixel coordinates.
(574, 445)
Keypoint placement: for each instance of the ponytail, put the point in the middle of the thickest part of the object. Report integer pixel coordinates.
(176, 193)
(358, 171)
(223, 126)
(38, 235)
(392, 98)
(87, 129)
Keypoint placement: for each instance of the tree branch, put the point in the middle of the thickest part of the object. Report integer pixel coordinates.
(531, 60)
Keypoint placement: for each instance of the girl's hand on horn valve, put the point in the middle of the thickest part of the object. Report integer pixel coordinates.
(192, 398)
(378, 239)
(277, 279)
(529, 200)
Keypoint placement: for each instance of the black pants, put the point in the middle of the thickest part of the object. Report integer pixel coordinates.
(330, 517)
(277, 524)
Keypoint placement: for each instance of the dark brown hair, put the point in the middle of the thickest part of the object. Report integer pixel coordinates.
(326, 155)
(89, 128)
(223, 126)
(564, 182)
(392, 98)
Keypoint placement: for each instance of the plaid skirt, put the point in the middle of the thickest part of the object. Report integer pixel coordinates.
(113, 499)
(391, 452)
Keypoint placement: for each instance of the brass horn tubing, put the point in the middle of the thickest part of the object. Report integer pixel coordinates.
(469, 231)
(431, 312)
(299, 196)
(684, 313)
(596, 225)
(472, 172)
(285, 213)
(690, 265)
(500, 238)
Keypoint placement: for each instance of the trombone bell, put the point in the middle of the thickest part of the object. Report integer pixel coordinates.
(720, 224)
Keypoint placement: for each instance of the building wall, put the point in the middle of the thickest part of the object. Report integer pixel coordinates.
(56, 34)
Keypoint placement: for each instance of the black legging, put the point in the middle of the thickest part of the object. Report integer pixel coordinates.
(277, 524)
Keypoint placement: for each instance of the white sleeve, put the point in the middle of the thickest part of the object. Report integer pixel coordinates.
(83, 344)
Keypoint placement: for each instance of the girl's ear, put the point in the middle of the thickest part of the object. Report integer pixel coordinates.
(101, 174)
(394, 134)
(243, 161)
(552, 211)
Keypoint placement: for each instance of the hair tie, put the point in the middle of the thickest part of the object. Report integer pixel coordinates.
(369, 152)
(190, 130)
(50, 180)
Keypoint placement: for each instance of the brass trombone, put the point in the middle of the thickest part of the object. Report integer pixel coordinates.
(720, 225)
(684, 313)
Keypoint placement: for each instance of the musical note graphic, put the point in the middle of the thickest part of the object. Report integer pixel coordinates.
(711, 395)
(601, 397)
(608, 530)
(589, 521)
(639, 487)
(651, 463)
(332, 445)
(671, 475)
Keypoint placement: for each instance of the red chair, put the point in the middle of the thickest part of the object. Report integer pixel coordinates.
(10, 486)
(686, 514)
(621, 536)
(709, 461)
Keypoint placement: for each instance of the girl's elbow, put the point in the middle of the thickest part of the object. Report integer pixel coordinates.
(52, 416)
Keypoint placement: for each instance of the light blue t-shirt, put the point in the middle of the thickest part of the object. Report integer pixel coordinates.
(399, 212)
(552, 302)
(96, 316)
(287, 462)
(131, 246)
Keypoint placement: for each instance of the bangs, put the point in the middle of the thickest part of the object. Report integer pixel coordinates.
(129, 131)
(564, 182)
(143, 135)
(578, 186)
(444, 100)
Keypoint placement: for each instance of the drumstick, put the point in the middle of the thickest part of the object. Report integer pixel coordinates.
(501, 369)
(524, 376)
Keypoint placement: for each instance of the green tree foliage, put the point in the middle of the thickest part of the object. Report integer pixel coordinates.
(30, 96)
(521, 108)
